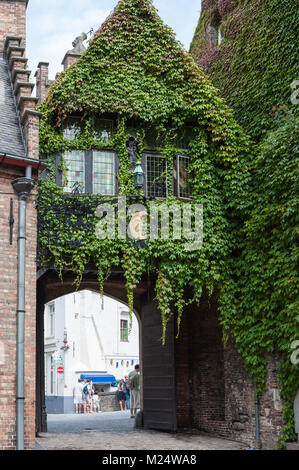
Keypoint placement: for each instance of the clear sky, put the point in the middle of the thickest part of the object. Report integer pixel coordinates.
(52, 25)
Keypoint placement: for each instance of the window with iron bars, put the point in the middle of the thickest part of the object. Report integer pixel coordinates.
(156, 170)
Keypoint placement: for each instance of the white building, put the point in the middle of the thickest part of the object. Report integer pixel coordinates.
(85, 337)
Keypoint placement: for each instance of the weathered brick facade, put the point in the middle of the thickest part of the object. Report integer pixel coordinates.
(18, 151)
(12, 20)
(214, 393)
(8, 306)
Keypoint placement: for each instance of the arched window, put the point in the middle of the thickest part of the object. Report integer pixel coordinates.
(214, 35)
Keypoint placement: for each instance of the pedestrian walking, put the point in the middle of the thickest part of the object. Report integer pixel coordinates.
(121, 396)
(127, 392)
(78, 396)
(133, 384)
(87, 396)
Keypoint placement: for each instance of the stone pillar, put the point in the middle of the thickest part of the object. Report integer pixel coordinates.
(70, 59)
(42, 81)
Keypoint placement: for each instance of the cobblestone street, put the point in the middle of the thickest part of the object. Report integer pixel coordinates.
(116, 431)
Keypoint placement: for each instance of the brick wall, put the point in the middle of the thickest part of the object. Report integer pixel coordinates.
(8, 317)
(12, 43)
(214, 393)
(12, 20)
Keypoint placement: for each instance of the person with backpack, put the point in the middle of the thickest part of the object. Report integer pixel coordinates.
(86, 395)
(127, 392)
(133, 384)
(121, 395)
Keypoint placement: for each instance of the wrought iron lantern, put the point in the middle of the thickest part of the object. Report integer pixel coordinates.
(138, 176)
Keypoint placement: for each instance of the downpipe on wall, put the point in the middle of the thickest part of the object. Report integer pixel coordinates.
(23, 187)
(258, 444)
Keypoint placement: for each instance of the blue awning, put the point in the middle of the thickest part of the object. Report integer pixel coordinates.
(99, 379)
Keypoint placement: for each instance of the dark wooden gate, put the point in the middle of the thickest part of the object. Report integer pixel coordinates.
(158, 370)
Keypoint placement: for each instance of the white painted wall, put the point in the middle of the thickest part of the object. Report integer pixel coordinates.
(93, 336)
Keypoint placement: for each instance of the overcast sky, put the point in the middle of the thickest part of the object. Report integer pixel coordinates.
(52, 25)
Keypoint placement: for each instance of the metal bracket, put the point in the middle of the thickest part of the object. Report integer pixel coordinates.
(11, 222)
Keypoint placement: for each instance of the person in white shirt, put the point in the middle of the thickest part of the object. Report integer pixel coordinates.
(78, 396)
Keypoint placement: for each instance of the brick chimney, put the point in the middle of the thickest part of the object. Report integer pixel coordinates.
(12, 20)
(42, 81)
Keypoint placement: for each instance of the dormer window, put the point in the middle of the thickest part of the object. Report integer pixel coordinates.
(102, 129)
(72, 128)
(214, 33)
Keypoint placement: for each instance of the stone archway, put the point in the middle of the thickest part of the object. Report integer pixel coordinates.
(157, 361)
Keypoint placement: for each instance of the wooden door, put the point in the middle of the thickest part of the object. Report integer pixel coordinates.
(158, 370)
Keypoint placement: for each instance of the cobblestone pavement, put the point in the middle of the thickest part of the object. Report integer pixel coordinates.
(116, 431)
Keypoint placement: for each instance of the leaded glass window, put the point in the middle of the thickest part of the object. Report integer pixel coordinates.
(103, 173)
(72, 128)
(156, 175)
(75, 172)
(103, 129)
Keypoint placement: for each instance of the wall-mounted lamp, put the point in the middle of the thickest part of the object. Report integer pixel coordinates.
(138, 176)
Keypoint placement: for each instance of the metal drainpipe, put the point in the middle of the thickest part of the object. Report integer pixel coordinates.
(22, 186)
(257, 418)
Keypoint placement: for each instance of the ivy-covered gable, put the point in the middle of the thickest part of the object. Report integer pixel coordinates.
(134, 66)
(135, 70)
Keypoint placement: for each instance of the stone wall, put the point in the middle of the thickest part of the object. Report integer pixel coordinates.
(214, 393)
(65, 405)
(109, 401)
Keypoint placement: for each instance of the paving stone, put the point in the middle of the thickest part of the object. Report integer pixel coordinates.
(77, 436)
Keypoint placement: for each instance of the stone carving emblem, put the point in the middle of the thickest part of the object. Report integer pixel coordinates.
(78, 45)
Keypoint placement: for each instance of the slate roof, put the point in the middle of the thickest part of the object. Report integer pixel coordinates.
(11, 140)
